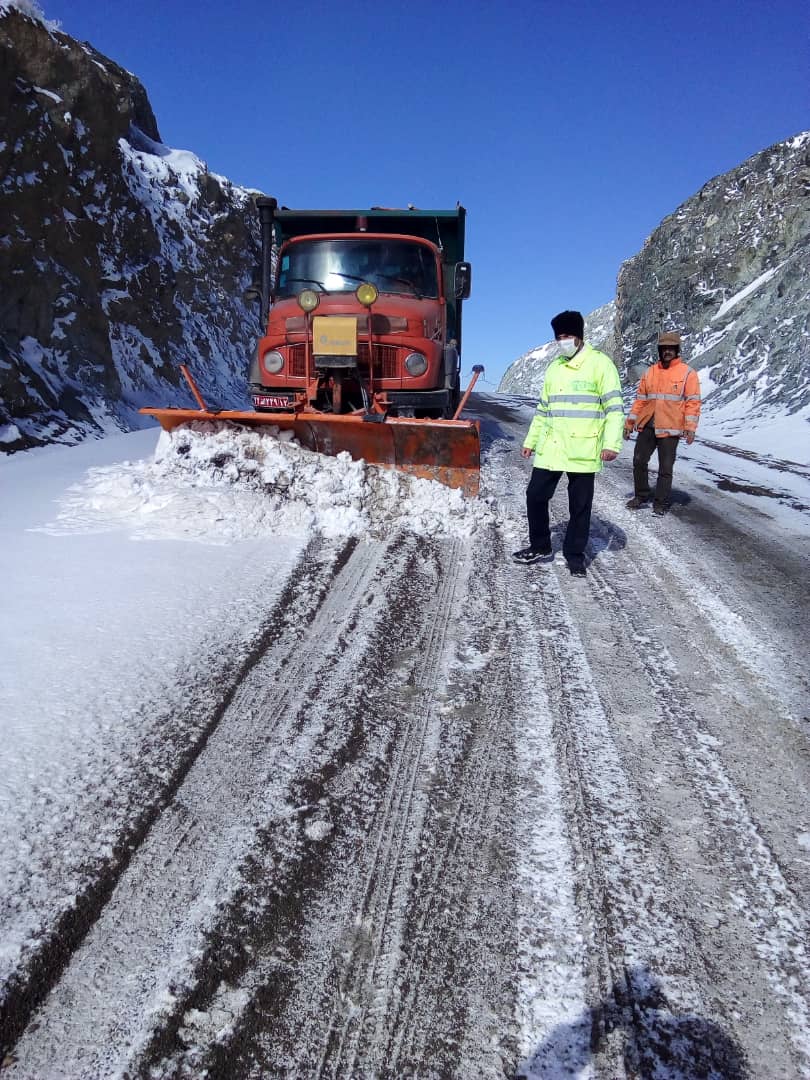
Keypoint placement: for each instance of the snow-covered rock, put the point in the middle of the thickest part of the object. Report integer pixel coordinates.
(120, 258)
(730, 270)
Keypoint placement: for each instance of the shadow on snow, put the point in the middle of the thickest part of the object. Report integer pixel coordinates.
(657, 1043)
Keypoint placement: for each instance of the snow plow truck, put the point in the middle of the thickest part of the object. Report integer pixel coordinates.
(361, 350)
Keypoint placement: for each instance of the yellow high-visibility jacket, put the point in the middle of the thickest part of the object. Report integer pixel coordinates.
(668, 396)
(579, 413)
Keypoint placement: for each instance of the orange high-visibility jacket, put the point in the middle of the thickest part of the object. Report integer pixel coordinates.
(669, 395)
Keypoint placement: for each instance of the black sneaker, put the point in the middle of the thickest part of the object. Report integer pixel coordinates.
(660, 508)
(576, 570)
(636, 502)
(529, 555)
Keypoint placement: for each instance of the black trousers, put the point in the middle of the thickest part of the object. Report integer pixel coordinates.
(542, 486)
(647, 444)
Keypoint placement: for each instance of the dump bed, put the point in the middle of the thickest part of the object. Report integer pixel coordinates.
(444, 228)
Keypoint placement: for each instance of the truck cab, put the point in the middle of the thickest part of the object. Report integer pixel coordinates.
(362, 311)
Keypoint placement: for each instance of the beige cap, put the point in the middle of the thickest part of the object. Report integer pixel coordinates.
(669, 338)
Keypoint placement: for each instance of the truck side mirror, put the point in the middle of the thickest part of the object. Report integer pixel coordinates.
(462, 280)
(254, 291)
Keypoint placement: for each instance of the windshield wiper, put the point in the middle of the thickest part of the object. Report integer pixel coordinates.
(402, 281)
(380, 277)
(309, 281)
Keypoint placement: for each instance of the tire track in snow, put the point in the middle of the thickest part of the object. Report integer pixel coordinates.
(455, 987)
(375, 902)
(25, 993)
(763, 899)
(286, 1003)
(387, 870)
(630, 932)
(670, 553)
(359, 950)
(730, 837)
(139, 959)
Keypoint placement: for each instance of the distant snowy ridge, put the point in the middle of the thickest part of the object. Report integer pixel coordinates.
(525, 375)
(730, 270)
(121, 257)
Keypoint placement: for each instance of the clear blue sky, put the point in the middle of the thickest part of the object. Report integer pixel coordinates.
(568, 130)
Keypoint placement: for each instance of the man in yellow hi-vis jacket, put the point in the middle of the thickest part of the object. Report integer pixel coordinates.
(578, 425)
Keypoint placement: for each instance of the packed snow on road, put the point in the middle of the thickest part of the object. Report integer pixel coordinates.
(303, 777)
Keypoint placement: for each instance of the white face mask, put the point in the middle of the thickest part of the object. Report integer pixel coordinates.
(568, 346)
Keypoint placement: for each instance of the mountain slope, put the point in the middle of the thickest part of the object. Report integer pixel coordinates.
(120, 257)
(729, 269)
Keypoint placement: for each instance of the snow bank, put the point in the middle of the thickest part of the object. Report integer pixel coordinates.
(218, 483)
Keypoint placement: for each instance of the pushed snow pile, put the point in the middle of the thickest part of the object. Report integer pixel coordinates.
(219, 483)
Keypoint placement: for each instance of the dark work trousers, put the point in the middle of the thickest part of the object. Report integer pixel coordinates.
(646, 445)
(541, 487)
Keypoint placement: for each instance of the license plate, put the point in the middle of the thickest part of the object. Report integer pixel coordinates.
(271, 401)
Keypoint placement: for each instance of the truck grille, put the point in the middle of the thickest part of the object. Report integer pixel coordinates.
(385, 360)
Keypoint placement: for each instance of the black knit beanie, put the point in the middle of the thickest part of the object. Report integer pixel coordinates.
(568, 322)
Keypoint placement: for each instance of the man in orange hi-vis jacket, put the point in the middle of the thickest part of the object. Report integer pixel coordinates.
(667, 407)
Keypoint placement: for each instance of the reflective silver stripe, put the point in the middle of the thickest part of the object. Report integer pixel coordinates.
(583, 414)
(611, 394)
(664, 397)
(668, 431)
(642, 397)
(615, 408)
(693, 397)
(687, 417)
(574, 399)
(632, 416)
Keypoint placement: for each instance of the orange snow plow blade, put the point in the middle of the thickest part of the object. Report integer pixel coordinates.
(443, 450)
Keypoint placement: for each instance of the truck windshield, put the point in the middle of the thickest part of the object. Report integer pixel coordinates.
(394, 266)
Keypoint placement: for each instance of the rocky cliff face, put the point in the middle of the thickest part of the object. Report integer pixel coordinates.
(119, 257)
(525, 375)
(730, 269)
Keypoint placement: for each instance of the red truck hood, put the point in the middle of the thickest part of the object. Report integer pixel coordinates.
(419, 315)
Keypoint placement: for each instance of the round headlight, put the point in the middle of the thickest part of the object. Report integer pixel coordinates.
(416, 363)
(273, 362)
(366, 293)
(308, 299)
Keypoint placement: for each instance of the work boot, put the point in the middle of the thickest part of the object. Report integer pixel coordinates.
(660, 508)
(529, 555)
(637, 502)
(577, 570)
